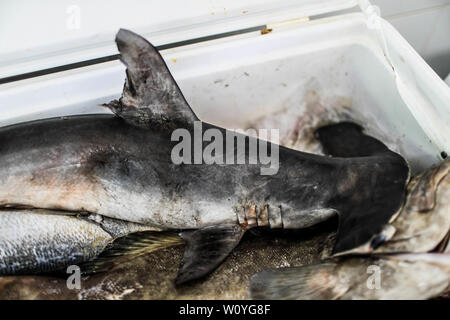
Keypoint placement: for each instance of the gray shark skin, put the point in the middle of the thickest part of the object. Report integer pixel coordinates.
(119, 167)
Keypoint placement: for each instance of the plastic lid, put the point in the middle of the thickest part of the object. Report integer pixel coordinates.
(42, 34)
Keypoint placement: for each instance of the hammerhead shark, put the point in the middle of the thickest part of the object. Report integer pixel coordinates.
(71, 185)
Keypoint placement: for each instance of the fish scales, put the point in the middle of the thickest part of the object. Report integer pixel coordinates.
(38, 242)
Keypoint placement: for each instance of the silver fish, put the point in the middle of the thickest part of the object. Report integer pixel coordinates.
(36, 241)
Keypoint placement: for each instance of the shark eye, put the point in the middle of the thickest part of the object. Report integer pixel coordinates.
(377, 241)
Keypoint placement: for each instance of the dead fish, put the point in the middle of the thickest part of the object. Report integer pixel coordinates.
(402, 276)
(40, 241)
(120, 167)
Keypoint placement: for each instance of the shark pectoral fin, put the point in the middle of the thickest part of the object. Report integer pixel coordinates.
(346, 139)
(150, 97)
(312, 282)
(206, 248)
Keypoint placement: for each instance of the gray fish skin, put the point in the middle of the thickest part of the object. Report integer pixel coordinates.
(405, 276)
(38, 242)
(103, 165)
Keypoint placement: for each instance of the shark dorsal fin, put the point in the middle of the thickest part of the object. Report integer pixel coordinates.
(151, 97)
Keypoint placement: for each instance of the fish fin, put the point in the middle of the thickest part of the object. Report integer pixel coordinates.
(129, 247)
(347, 140)
(151, 97)
(311, 282)
(206, 248)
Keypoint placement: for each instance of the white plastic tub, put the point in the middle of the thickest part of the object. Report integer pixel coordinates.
(343, 60)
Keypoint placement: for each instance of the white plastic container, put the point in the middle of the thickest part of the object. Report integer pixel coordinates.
(354, 60)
